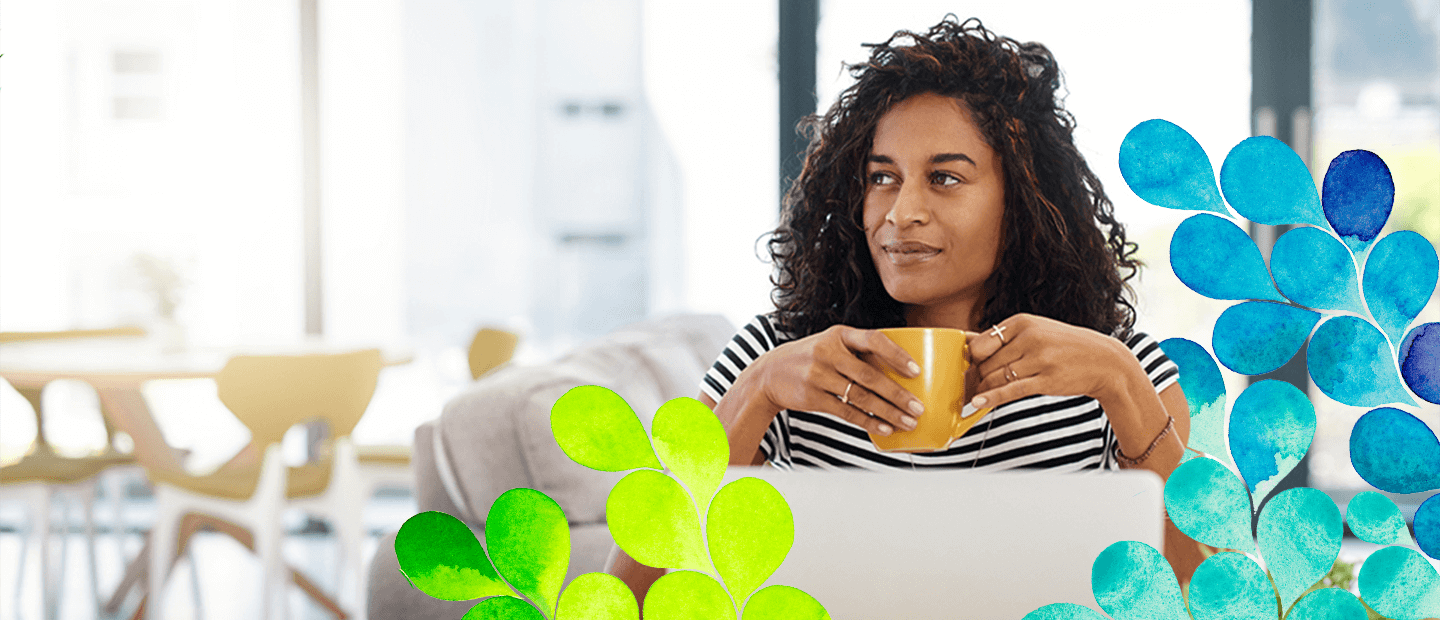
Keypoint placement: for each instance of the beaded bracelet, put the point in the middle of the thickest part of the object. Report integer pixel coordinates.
(1129, 462)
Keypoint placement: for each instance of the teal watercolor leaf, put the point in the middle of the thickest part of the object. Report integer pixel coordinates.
(687, 595)
(598, 429)
(1213, 257)
(1133, 581)
(652, 518)
(502, 608)
(1209, 504)
(1257, 337)
(1299, 536)
(597, 596)
(1400, 275)
(1395, 451)
(1204, 390)
(530, 542)
(751, 529)
(692, 443)
(1166, 167)
(1357, 195)
(1328, 604)
(1267, 183)
(1350, 361)
(442, 557)
(1231, 586)
(1375, 519)
(1400, 583)
(1315, 270)
(783, 603)
(1427, 526)
(1064, 611)
(1271, 427)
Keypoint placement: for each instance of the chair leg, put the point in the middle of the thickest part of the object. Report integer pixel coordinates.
(89, 496)
(162, 548)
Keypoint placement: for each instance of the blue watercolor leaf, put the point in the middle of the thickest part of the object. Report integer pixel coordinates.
(1213, 257)
(1166, 167)
(1315, 270)
(1132, 581)
(1357, 195)
(1427, 526)
(1231, 586)
(1299, 535)
(1271, 427)
(1350, 361)
(1400, 583)
(1256, 337)
(1400, 275)
(1204, 389)
(1209, 504)
(1420, 361)
(1328, 604)
(1375, 519)
(1267, 183)
(1064, 611)
(1395, 451)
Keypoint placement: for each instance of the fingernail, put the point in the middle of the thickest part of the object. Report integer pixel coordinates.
(885, 429)
(917, 407)
(908, 422)
(914, 368)
(979, 401)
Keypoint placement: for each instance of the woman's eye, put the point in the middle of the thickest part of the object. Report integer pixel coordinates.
(881, 178)
(943, 178)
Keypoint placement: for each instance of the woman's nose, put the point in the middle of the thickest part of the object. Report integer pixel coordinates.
(909, 207)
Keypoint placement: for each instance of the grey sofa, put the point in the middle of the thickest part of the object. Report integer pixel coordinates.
(496, 436)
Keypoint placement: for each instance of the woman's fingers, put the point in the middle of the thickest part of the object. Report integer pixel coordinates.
(851, 410)
(1014, 390)
(879, 395)
(882, 347)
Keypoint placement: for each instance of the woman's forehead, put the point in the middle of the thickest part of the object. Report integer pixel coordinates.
(925, 125)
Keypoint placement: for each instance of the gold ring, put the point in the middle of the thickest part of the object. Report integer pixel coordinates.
(1010, 374)
(999, 331)
(846, 398)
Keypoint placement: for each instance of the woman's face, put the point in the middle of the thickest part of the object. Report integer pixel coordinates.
(934, 200)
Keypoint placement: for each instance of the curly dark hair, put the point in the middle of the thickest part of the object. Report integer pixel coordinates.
(1062, 252)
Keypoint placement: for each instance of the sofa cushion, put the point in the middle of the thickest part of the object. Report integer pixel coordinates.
(496, 435)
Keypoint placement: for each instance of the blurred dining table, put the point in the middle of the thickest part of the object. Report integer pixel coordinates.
(119, 368)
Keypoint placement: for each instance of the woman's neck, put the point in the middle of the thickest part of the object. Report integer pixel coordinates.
(964, 315)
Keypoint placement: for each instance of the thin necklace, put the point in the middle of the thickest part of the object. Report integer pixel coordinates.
(983, 438)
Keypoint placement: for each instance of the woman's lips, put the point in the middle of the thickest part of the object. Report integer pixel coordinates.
(903, 253)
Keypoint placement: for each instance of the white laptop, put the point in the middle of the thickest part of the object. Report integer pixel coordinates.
(956, 544)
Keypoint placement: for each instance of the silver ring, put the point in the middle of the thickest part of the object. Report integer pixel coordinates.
(1010, 375)
(846, 398)
(999, 331)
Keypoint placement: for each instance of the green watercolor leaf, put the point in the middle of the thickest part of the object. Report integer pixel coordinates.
(688, 595)
(1064, 611)
(784, 603)
(502, 608)
(1132, 581)
(750, 529)
(598, 429)
(652, 518)
(441, 557)
(1231, 586)
(692, 443)
(1299, 535)
(1209, 504)
(597, 596)
(1377, 520)
(530, 540)
(1400, 583)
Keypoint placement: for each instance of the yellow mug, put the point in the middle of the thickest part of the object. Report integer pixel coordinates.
(942, 386)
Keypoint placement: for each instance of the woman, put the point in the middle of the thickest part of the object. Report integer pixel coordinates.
(944, 189)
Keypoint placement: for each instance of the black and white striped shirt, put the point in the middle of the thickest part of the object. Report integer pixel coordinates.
(1066, 433)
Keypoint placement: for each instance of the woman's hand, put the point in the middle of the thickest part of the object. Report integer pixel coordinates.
(1036, 355)
(815, 372)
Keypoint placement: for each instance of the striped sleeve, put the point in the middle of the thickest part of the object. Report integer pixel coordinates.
(752, 341)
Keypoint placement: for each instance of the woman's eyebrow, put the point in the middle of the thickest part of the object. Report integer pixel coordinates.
(939, 158)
